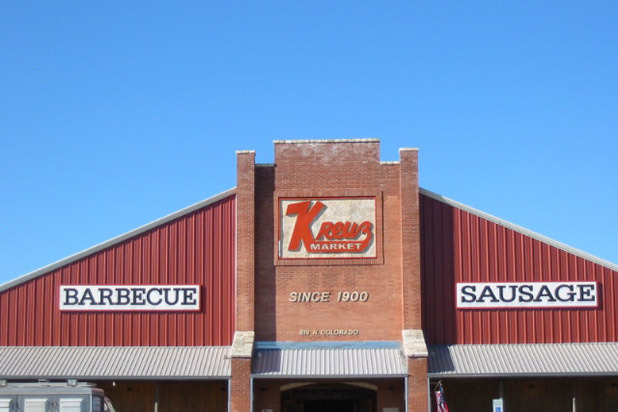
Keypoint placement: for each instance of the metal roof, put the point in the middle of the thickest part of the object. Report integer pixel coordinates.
(232, 191)
(116, 240)
(519, 229)
(519, 360)
(114, 362)
(329, 360)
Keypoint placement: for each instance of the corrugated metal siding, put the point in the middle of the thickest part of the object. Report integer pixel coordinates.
(197, 248)
(89, 362)
(329, 363)
(561, 359)
(460, 246)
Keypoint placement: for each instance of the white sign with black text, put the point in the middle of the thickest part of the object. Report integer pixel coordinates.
(527, 295)
(130, 297)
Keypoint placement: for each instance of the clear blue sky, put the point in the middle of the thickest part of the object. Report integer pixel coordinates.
(116, 113)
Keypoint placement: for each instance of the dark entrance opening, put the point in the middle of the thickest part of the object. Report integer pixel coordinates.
(329, 405)
(328, 398)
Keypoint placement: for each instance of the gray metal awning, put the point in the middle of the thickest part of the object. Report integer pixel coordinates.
(328, 360)
(523, 360)
(115, 362)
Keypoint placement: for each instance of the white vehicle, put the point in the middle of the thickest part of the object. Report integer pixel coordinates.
(53, 397)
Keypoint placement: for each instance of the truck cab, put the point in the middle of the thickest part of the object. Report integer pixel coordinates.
(70, 396)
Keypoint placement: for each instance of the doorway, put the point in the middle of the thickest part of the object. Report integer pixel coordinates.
(328, 398)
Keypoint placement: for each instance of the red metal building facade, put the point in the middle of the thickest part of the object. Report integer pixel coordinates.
(196, 248)
(287, 327)
(459, 245)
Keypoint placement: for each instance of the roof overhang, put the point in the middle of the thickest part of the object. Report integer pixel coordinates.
(523, 360)
(115, 362)
(328, 360)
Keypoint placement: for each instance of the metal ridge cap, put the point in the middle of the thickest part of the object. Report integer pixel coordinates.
(118, 347)
(121, 347)
(115, 240)
(121, 377)
(519, 345)
(454, 375)
(520, 229)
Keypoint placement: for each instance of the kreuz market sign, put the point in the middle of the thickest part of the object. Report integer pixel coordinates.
(130, 297)
(327, 228)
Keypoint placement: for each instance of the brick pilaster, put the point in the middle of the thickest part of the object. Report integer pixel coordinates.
(417, 385)
(240, 385)
(245, 232)
(410, 239)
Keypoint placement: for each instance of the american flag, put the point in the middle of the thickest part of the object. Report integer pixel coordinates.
(441, 405)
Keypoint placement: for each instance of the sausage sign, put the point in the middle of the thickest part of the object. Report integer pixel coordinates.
(527, 295)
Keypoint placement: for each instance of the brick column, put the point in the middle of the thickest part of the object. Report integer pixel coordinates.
(240, 384)
(413, 338)
(410, 239)
(415, 349)
(242, 347)
(245, 240)
(417, 385)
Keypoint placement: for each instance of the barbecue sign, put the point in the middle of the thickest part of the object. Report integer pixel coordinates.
(327, 228)
(130, 297)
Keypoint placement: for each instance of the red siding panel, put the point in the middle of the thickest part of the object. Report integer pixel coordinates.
(459, 246)
(198, 248)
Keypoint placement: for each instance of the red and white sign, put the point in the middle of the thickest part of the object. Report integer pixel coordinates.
(327, 228)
